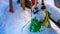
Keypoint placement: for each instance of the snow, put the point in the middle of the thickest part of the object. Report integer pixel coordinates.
(12, 23)
(55, 12)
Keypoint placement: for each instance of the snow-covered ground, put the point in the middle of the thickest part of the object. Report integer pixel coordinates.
(12, 23)
(55, 12)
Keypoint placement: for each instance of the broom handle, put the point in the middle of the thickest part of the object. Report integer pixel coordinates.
(35, 3)
(11, 8)
(42, 1)
(23, 4)
(31, 4)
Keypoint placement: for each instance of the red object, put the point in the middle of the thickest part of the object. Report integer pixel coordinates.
(11, 7)
(32, 2)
